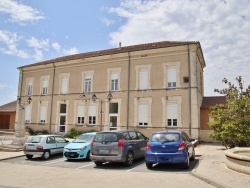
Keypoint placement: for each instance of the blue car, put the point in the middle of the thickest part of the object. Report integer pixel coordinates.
(169, 147)
(79, 148)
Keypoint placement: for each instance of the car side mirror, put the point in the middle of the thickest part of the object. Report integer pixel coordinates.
(67, 141)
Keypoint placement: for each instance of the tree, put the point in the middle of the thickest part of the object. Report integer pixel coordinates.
(232, 120)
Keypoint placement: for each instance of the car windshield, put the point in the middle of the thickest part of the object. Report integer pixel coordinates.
(35, 139)
(165, 137)
(84, 138)
(106, 137)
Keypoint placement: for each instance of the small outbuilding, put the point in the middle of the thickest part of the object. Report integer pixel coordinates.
(7, 116)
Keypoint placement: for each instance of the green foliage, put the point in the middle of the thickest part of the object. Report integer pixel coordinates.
(232, 120)
(73, 133)
(39, 132)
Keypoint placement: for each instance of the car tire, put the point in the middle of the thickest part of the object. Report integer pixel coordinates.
(98, 163)
(149, 165)
(88, 156)
(29, 156)
(46, 155)
(130, 159)
(186, 164)
(193, 156)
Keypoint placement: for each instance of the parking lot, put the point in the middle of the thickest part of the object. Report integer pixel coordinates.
(138, 166)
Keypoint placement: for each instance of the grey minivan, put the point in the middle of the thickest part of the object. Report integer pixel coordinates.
(118, 146)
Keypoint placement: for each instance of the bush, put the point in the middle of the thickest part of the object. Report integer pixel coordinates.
(73, 133)
(32, 132)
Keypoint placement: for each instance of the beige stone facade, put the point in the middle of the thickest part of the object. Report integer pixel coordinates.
(154, 87)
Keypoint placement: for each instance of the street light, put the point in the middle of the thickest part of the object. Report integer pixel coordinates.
(94, 99)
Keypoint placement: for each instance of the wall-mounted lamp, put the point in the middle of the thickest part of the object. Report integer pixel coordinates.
(29, 100)
(94, 97)
(19, 100)
(109, 97)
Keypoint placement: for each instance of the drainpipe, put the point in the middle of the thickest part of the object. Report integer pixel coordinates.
(128, 93)
(52, 97)
(189, 90)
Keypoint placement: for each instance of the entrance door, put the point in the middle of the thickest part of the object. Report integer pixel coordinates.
(62, 118)
(112, 122)
(113, 115)
(4, 121)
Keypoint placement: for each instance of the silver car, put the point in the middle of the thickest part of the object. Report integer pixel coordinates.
(118, 146)
(44, 146)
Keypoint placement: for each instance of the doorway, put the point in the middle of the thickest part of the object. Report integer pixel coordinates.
(113, 116)
(62, 118)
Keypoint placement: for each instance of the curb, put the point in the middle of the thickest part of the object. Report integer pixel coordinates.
(12, 157)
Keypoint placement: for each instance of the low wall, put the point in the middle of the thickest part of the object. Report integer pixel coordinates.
(238, 159)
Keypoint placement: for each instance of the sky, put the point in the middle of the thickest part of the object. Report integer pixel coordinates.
(33, 31)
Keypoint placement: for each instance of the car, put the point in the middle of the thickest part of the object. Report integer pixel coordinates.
(44, 146)
(118, 146)
(80, 147)
(169, 147)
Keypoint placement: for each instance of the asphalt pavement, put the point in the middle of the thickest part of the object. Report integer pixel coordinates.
(211, 168)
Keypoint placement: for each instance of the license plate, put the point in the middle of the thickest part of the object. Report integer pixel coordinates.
(103, 151)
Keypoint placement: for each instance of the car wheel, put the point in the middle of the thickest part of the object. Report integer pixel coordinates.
(130, 159)
(46, 155)
(29, 156)
(149, 165)
(186, 164)
(193, 156)
(98, 163)
(88, 156)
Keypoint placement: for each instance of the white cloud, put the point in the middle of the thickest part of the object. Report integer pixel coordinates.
(10, 43)
(19, 13)
(38, 44)
(107, 22)
(56, 46)
(3, 86)
(222, 27)
(71, 51)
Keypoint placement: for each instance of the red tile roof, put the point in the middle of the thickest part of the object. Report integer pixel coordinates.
(211, 101)
(10, 107)
(124, 49)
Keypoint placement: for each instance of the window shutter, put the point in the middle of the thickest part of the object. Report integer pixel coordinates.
(92, 110)
(80, 111)
(27, 114)
(143, 79)
(171, 74)
(43, 113)
(143, 113)
(114, 76)
(64, 86)
(172, 111)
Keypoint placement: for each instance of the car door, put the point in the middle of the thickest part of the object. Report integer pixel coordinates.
(135, 143)
(188, 143)
(51, 144)
(60, 143)
(142, 143)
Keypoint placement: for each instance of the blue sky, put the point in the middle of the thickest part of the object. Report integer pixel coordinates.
(33, 31)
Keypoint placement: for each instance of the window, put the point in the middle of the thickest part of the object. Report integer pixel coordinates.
(43, 113)
(29, 87)
(44, 87)
(92, 114)
(87, 84)
(80, 114)
(27, 114)
(143, 115)
(64, 87)
(114, 82)
(171, 77)
(143, 79)
(133, 136)
(172, 115)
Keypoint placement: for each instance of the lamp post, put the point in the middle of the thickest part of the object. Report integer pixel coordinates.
(94, 99)
(20, 131)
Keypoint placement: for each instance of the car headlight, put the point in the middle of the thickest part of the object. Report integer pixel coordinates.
(82, 148)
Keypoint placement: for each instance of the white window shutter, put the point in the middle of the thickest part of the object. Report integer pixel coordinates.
(172, 111)
(92, 110)
(143, 113)
(171, 74)
(80, 111)
(143, 79)
(27, 113)
(64, 85)
(43, 113)
(114, 76)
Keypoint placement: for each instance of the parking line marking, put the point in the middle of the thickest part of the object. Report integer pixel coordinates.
(135, 167)
(85, 166)
(52, 162)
